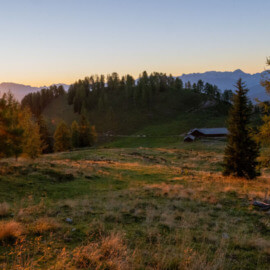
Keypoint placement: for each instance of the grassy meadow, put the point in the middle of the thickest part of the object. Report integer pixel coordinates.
(165, 206)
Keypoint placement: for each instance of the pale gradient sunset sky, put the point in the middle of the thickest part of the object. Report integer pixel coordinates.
(53, 41)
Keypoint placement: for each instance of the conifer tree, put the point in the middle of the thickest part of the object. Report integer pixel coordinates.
(241, 151)
(86, 133)
(62, 138)
(264, 130)
(178, 84)
(32, 143)
(266, 81)
(45, 136)
(200, 86)
(93, 135)
(10, 131)
(75, 135)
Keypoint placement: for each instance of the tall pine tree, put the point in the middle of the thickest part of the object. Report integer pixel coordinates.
(241, 151)
(264, 131)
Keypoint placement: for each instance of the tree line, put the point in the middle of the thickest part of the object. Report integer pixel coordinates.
(23, 133)
(38, 101)
(80, 134)
(100, 93)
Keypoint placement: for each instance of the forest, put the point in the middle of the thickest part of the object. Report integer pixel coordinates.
(105, 105)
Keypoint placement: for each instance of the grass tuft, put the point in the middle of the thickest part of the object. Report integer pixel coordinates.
(4, 209)
(109, 253)
(10, 230)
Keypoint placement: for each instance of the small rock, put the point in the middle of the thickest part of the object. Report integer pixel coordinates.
(69, 220)
(225, 236)
(73, 229)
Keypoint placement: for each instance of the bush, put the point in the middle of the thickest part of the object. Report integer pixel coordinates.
(45, 224)
(10, 230)
(110, 253)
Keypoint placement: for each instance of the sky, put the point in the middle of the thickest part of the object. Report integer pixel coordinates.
(60, 41)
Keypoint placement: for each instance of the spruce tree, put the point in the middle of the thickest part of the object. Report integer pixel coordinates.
(62, 138)
(264, 130)
(266, 80)
(87, 134)
(242, 150)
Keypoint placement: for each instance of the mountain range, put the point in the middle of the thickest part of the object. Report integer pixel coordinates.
(227, 80)
(224, 80)
(20, 90)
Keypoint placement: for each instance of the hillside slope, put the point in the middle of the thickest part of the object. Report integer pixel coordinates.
(59, 110)
(175, 116)
(170, 133)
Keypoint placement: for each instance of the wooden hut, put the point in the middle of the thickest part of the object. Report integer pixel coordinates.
(205, 132)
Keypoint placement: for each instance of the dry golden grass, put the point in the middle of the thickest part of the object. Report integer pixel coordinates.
(10, 230)
(4, 209)
(261, 244)
(45, 224)
(179, 214)
(192, 260)
(109, 253)
(76, 207)
(181, 254)
(170, 190)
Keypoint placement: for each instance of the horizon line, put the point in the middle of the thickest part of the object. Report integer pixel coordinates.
(183, 74)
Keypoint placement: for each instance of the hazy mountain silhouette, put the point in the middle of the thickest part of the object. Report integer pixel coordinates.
(224, 80)
(20, 90)
(227, 80)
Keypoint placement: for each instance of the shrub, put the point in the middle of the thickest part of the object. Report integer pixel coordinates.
(109, 253)
(45, 224)
(10, 230)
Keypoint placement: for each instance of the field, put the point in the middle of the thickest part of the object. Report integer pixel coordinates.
(164, 207)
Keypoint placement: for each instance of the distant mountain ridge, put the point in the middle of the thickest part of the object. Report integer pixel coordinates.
(227, 80)
(223, 79)
(21, 90)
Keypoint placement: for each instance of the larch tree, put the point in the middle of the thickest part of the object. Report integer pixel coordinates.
(241, 153)
(62, 138)
(11, 133)
(32, 143)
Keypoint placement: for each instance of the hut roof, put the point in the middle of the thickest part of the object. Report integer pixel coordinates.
(210, 131)
(189, 138)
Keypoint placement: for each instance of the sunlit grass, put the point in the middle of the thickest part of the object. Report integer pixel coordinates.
(132, 208)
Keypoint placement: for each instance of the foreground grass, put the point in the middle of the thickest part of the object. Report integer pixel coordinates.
(131, 208)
